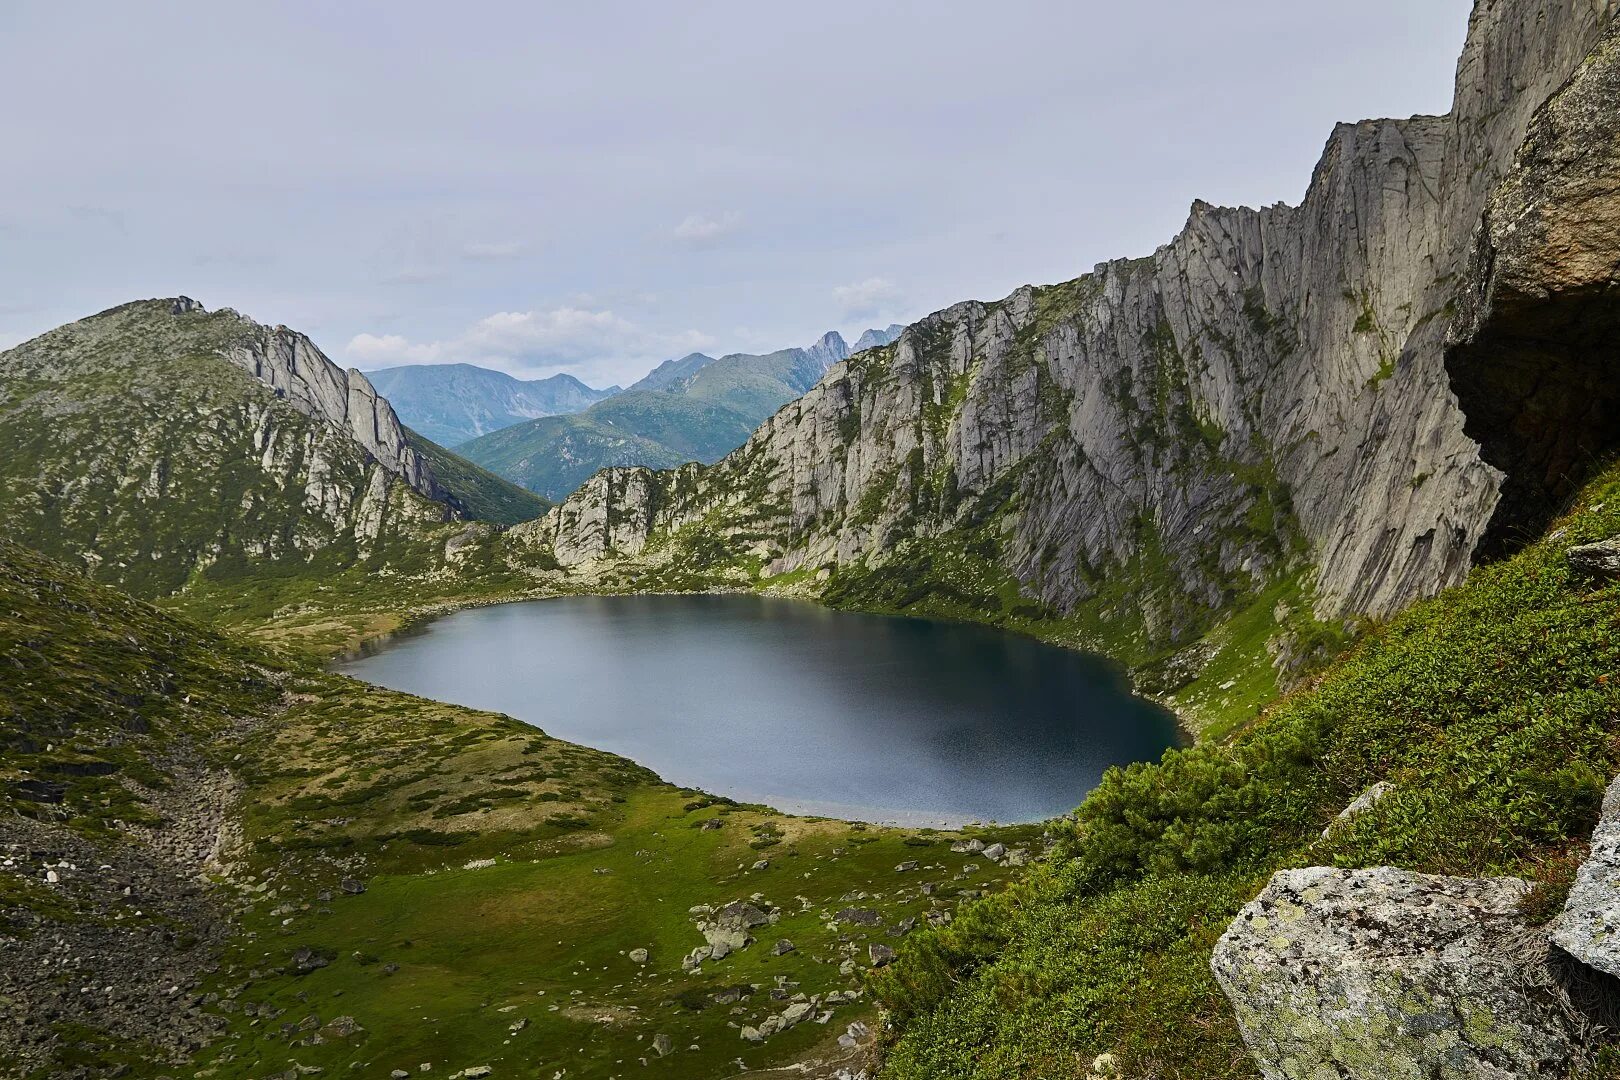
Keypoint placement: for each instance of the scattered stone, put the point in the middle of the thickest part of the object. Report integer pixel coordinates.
(662, 1045)
(858, 916)
(752, 1034)
(710, 824)
(1361, 803)
(853, 1035)
(477, 1072)
(1600, 560)
(995, 852)
(306, 960)
(905, 867)
(1386, 973)
(763, 864)
(639, 956)
(352, 886)
(782, 948)
(880, 955)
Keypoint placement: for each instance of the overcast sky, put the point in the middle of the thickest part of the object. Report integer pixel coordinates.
(596, 187)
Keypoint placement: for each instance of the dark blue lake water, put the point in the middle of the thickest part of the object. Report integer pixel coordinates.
(794, 705)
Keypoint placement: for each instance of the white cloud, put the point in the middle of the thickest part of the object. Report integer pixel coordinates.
(597, 344)
(702, 230)
(864, 299)
(492, 251)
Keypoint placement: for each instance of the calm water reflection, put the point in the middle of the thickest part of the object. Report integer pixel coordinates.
(791, 704)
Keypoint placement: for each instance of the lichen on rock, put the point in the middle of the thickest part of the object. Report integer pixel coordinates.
(1383, 974)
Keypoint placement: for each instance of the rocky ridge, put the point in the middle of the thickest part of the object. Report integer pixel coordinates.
(1269, 390)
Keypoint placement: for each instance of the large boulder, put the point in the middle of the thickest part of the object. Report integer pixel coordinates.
(1589, 928)
(1389, 975)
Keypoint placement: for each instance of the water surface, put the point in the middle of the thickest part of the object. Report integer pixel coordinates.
(791, 704)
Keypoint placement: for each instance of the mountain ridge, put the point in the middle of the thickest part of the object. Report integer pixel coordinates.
(158, 443)
(695, 408)
(454, 403)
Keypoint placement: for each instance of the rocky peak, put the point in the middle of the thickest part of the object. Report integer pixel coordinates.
(829, 349)
(874, 338)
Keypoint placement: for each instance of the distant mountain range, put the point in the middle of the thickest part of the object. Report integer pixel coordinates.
(452, 403)
(696, 408)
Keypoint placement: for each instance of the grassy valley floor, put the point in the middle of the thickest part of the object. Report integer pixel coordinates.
(406, 881)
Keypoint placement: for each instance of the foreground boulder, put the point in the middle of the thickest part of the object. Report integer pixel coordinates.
(1589, 928)
(1386, 974)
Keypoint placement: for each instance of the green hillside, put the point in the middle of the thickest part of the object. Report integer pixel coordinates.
(477, 492)
(656, 428)
(132, 445)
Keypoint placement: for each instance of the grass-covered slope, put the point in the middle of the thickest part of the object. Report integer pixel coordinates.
(657, 428)
(477, 492)
(508, 878)
(96, 690)
(1493, 710)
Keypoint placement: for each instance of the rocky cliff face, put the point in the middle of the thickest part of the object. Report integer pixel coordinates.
(300, 374)
(1165, 435)
(1539, 323)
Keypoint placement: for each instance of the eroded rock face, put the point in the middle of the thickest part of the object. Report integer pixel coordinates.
(1589, 928)
(1384, 974)
(291, 365)
(1269, 382)
(1535, 343)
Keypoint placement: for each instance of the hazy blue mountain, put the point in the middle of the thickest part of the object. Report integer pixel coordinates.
(672, 371)
(873, 338)
(451, 403)
(696, 408)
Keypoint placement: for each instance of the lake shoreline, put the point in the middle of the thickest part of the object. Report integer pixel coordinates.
(899, 720)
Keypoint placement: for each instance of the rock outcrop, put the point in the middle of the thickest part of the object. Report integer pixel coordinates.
(1533, 346)
(1386, 975)
(1589, 928)
(291, 365)
(1269, 388)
